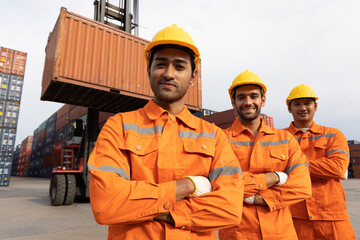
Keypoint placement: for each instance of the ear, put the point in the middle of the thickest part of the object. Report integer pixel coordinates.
(289, 108)
(263, 101)
(316, 105)
(193, 77)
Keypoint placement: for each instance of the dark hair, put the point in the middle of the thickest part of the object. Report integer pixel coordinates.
(234, 90)
(163, 46)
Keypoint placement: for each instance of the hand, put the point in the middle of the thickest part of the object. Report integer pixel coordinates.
(202, 185)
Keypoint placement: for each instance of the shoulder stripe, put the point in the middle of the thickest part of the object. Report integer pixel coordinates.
(217, 172)
(242, 143)
(143, 131)
(119, 171)
(274, 143)
(330, 135)
(337, 150)
(297, 138)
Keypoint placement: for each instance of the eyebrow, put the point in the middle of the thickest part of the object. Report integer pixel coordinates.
(179, 60)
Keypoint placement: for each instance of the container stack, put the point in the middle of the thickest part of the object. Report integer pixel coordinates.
(24, 157)
(354, 166)
(12, 69)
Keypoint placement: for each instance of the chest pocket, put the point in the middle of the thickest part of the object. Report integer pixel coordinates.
(321, 146)
(279, 158)
(142, 153)
(198, 156)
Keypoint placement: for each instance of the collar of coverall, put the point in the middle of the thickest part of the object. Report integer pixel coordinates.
(154, 111)
(238, 127)
(314, 128)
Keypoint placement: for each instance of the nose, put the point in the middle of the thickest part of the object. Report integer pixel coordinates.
(247, 100)
(169, 72)
(302, 107)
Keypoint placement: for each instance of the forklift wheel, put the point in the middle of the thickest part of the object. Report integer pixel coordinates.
(70, 189)
(57, 190)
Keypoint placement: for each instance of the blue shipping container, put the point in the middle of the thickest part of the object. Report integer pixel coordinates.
(15, 88)
(5, 169)
(4, 80)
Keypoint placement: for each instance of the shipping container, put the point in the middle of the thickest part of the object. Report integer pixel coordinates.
(354, 154)
(7, 140)
(4, 81)
(5, 171)
(12, 61)
(354, 147)
(15, 88)
(93, 65)
(10, 114)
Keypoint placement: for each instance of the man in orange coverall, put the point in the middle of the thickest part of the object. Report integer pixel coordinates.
(160, 172)
(274, 167)
(324, 215)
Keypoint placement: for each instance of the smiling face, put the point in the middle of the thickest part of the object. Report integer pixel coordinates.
(248, 102)
(303, 111)
(170, 75)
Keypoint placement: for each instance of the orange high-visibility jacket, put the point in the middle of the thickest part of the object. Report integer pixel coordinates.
(271, 150)
(328, 153)
(134, 165)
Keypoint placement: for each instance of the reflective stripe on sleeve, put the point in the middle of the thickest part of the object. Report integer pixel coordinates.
(186, 134)
(306, 164)
(330, 135)
(119, 171)
(242, 143)
(273, 143)
(292, 167)
(217, 172)
(297, 138)
(337, 150)
(143, 131)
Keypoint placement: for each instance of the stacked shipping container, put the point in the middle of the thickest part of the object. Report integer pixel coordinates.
(12, 69)
(50, 136)
(354, 166)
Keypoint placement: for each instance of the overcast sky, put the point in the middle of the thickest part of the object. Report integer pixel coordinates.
(315, 42)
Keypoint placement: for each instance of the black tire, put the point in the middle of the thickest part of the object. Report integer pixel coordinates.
(57, 190)
(70, 189)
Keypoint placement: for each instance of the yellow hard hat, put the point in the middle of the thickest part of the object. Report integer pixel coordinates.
(246, 78)
(301, 91)
(172, 35)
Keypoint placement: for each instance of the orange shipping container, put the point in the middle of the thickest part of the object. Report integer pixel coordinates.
(91, 64)
(12, 61)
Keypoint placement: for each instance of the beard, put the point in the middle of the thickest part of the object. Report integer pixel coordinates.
(249, 117)
(169, 95)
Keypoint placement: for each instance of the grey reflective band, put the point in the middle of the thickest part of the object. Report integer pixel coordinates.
(143, 131)
(242, 143)
(337, 150)
(120, 171)
(274, 143)
(297, 138)
(320, 136)
(217, 172)
(185, 134)
(306, 164)
(292, 167)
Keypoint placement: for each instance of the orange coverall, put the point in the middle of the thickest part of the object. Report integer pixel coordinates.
(271, 150)
(134, 165)
(328, 153)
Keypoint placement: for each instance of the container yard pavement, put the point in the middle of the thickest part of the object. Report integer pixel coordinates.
(26, 213)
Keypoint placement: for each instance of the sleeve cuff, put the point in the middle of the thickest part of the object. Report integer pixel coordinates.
(167, 196)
